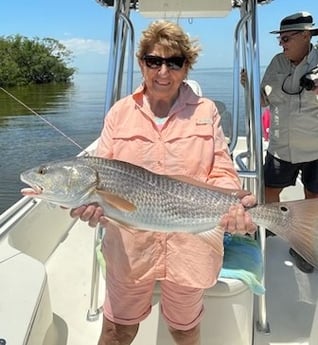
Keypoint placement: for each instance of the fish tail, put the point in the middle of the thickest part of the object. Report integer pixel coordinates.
(302, 234)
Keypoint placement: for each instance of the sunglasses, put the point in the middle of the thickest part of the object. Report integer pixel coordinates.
(174, 63)
(286, 39)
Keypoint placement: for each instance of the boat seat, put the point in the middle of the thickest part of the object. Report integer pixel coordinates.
(195, 86)
(25, 310)
(221, 107)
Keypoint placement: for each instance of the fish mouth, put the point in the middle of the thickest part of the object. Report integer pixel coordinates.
(32, 191)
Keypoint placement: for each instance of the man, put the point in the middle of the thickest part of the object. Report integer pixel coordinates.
(293, 142)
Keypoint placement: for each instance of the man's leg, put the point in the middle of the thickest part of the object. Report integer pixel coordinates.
(272, 194)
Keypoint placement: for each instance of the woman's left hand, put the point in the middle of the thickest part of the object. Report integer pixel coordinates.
(238, 220)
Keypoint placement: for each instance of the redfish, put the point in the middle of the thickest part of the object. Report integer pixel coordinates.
(140, 199)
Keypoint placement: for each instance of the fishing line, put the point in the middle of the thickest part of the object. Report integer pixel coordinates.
(44, 120)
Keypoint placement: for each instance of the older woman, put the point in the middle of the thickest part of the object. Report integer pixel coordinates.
(166, 128)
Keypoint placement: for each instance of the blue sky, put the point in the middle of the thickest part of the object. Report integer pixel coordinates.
(85, 27)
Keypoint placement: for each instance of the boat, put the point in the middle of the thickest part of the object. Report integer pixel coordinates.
(51, 281)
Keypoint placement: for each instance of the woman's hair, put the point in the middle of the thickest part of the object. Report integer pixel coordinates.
(171, 37)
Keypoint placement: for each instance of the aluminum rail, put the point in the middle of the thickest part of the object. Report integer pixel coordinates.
(121, 28)
(236, 83)
(254, 154)
(14, 213)
(94, 310)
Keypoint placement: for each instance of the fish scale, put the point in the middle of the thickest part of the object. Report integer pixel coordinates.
(161, 202)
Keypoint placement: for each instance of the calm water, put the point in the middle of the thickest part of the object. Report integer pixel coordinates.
(77, 110)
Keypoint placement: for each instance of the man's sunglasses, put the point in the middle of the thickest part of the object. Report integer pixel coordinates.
(285, 39)
(155, 62)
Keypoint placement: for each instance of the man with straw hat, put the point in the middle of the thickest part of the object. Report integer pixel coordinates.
(293, 134)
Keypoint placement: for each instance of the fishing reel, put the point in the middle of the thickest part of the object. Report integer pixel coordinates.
(309, 81)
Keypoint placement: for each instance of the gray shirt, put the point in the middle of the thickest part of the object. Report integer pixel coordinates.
(294, 119)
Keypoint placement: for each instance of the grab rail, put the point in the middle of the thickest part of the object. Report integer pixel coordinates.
(94, 311)
(14, 213)
(254, 154)
(117, 54)
(122, 26)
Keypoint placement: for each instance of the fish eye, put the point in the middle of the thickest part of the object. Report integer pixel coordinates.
(284, 209)
(42, 170)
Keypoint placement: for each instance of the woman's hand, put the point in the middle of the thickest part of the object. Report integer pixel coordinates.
(92, 214)
(238, 219)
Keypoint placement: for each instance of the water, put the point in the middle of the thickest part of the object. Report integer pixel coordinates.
(78, 111)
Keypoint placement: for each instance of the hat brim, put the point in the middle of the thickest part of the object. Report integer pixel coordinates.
(314, 31)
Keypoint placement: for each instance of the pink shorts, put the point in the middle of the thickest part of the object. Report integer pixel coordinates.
(130, 303)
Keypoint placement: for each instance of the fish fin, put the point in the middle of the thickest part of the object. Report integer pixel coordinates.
(303, 232)
(214, 238)
(238, 193)
(116, 201)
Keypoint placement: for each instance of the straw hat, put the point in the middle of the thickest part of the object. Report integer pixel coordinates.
(297, 22)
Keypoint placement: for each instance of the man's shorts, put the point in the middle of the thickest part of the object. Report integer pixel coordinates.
(130, 303)
(281, 174)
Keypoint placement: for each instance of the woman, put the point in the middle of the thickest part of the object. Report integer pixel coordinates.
(166, 128)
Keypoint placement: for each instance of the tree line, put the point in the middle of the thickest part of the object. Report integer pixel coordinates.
(33, 61)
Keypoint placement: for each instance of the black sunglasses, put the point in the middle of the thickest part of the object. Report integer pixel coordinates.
(155, 62)
(286, 39)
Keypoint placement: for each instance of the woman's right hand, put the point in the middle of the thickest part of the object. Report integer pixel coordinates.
(88, 213)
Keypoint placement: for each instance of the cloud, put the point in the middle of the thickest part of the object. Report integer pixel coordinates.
(83, 46)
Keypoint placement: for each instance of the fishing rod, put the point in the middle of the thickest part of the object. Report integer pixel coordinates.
(46, 121)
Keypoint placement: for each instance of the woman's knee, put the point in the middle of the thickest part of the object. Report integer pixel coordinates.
(114, 333)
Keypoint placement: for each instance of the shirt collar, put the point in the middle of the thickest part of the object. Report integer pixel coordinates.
(186, 95)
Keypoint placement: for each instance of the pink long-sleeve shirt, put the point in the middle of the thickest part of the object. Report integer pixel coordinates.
(190, 142)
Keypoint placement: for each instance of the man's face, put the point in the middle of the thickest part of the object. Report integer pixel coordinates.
(295, 44)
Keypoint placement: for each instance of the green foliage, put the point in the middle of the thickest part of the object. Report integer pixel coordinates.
(36, 61)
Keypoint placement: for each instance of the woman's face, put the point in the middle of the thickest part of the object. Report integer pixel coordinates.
(163, 78)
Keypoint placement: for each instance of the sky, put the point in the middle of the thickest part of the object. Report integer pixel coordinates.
(85, 27)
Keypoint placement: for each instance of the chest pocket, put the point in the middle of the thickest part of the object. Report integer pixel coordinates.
(132, 144)
(191, 149)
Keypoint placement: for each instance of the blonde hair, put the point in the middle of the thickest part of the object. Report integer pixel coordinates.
(171, 37)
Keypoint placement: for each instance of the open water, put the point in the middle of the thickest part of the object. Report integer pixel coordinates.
(78, 111)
